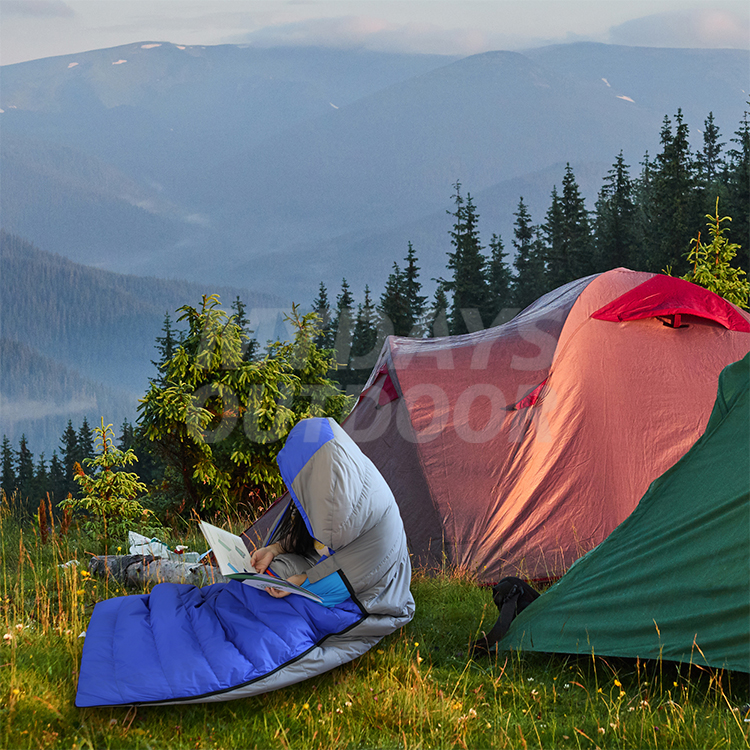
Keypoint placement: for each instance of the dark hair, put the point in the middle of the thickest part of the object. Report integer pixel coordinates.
(293, 534)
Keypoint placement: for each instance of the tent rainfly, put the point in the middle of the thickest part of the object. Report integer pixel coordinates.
(673, 580)
(517, 449)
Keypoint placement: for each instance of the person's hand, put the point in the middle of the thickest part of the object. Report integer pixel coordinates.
(263, 557)
(297, 580)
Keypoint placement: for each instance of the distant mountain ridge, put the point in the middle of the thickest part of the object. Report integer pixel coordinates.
(394, 155)
(199, 104)
(238, 165)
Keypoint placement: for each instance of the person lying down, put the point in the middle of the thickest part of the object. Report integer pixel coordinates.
(339, 534)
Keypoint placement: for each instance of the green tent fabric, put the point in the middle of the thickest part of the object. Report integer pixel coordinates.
(672, 580)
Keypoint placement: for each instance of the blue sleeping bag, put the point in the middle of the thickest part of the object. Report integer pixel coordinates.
(183, 644)
(181, 641)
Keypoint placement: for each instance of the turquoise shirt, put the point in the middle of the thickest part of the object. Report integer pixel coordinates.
(331, 589)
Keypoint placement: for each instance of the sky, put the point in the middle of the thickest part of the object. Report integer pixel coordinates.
(31, 29)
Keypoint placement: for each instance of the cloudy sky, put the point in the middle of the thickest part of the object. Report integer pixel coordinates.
(31, 29)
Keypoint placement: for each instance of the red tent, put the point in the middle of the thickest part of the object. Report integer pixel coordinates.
(518, 448)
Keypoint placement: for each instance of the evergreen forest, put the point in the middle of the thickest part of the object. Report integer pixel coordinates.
(643, 220)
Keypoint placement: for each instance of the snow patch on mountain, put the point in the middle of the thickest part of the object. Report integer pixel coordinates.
(150, 46)
(626, 98)
(119, 62)
(72, 65)
(607, 82)
(200, 220)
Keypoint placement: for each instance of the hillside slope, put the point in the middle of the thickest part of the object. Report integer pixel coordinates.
(97, 328)
(38, 396)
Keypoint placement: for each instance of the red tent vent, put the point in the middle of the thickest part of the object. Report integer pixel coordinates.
(531, 398)
(388, 390)
(669, 296)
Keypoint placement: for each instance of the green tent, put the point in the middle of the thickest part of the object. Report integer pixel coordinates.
(672, 580)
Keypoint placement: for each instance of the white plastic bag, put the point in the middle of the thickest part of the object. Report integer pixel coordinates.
(142, 545)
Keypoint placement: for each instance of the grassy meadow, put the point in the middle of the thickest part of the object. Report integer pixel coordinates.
(416, 689)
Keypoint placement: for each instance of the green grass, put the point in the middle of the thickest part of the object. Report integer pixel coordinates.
(416, 689)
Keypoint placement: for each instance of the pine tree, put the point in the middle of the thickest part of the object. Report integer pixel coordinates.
(8, 479)
(218, 423)
(437, 317)
(25, 470)
(499, 282)
(738, 190)
(249, 344)
(579, 226)
(469, 281)
(712, 264)
(530, 280)
(568, 234)
(615, 224)
(69, 457)
(553, 231)
(645, 216)
(365, 347)
(343, 325)
(708, 160)
(412, 287)
(56, 478)
(40, 484)
(166, 345)
(322, 308)
(108, 492)
(675, 198)
(85, 441)
(394, 315)
(149, 469)
(126, 441)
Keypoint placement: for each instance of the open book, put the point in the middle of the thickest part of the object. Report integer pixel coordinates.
(234, 562)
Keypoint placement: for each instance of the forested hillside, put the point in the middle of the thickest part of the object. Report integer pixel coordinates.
(38, 395)
(96, 327)
(647, 220)
(82, 201)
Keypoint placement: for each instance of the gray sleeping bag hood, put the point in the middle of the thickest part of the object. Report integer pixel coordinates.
(349, 508)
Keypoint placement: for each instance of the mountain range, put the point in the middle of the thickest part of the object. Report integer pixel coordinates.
(235, 169)
(281, 168)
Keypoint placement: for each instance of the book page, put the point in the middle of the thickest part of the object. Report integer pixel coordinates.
(233, 559)
(264, 581)
(229, 549)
